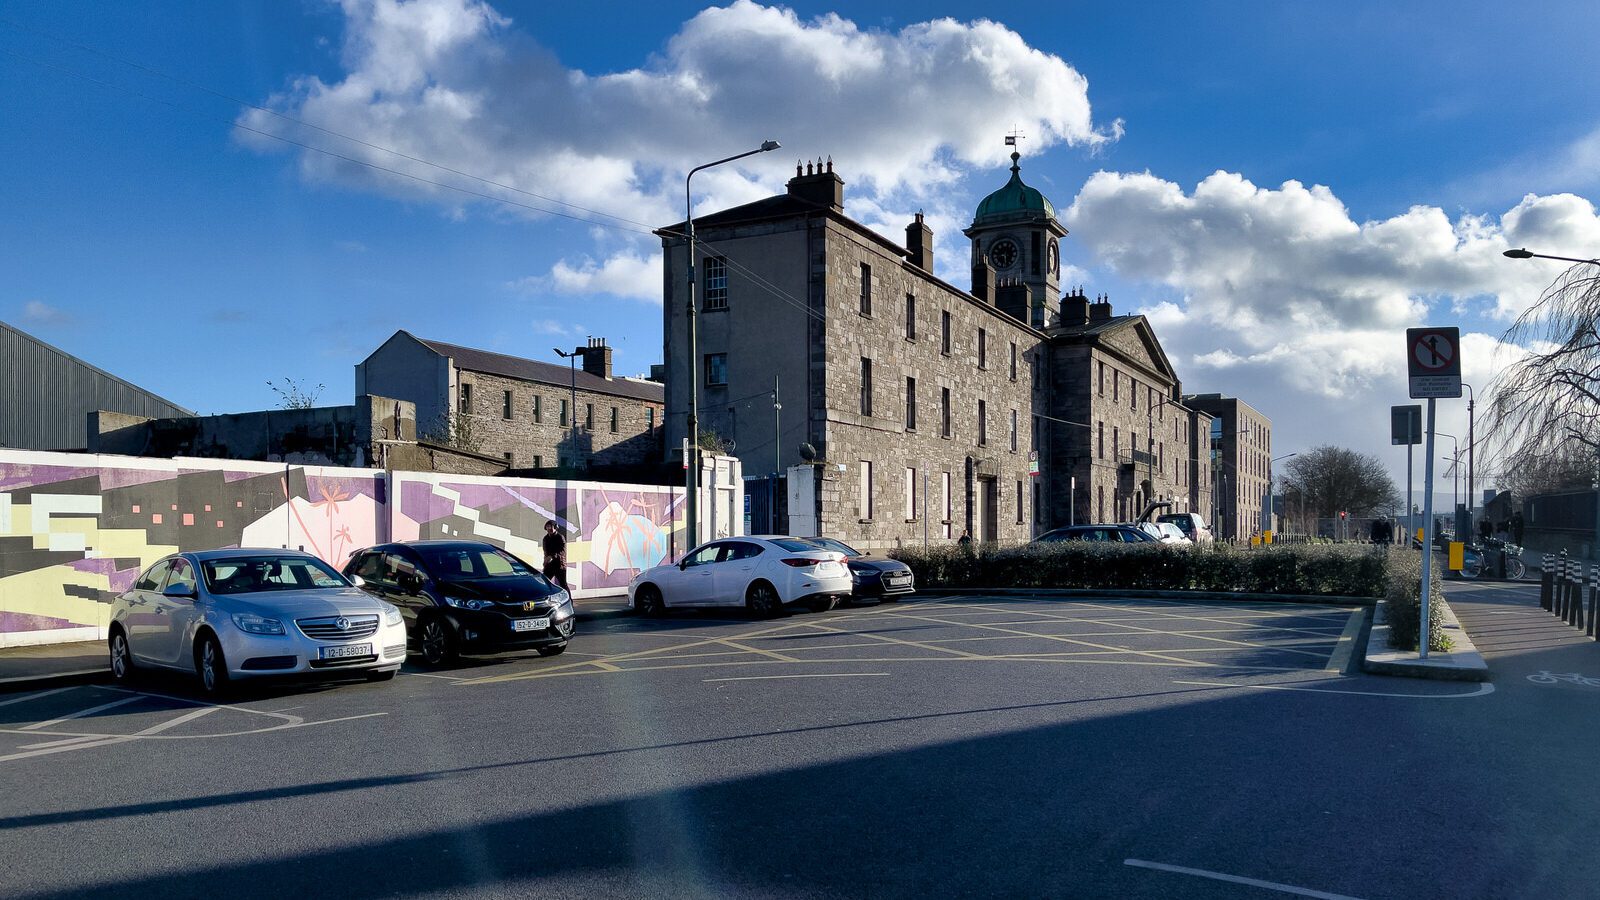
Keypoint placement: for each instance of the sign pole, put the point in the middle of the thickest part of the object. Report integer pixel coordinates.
(1427, 537)
(1411, 520)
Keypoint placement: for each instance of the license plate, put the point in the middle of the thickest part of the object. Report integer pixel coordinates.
(897, 580)
(828, 567)
(530, 624)
(345, 652)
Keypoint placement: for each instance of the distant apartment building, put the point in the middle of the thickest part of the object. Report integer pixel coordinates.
(1241, 455)
(529, 413)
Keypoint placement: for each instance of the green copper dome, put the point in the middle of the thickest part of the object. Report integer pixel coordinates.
(1014, 200)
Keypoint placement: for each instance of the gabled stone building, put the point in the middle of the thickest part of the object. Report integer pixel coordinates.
(924, 409)
(528, 413)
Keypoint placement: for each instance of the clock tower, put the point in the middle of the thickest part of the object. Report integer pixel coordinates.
(1015, 235)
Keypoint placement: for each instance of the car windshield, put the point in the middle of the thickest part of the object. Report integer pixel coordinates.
(797, 545)
(831, 544)
(456, 563)
(252, 574)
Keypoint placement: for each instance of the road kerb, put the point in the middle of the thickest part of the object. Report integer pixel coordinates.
(1461, 663)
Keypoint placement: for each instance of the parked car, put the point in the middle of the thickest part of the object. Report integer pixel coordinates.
(1165, 532)
(1192, 525)
(762, 574)
(466, 596)
(232, 615)
(871, 576)
(1115, 534)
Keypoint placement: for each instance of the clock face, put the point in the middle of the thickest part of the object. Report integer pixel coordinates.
(1053, 257)
(1003, 253)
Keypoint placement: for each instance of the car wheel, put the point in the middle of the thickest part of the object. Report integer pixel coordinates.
(557, 650)
(212, 667)
(762, 600)
(647, 601)
(383, 676)
(823, 604)
(122, 671)
(437, 641)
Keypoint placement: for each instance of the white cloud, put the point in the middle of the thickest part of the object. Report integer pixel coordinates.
(38, 312)
(625, 274)
(456, 83)
(559, 329)
(1575, 166)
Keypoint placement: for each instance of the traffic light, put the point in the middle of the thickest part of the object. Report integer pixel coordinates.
(1343, 514)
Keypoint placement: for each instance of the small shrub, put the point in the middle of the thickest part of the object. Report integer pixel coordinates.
(1403, 596)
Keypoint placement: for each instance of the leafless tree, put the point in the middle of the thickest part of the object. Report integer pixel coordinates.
(1546, 406)
(1328, 480)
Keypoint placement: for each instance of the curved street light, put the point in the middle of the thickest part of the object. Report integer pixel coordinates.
(692, 462)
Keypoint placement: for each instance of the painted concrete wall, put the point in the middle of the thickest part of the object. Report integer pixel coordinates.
(76, 529)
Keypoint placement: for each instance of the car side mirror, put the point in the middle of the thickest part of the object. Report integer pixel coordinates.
(358, 581)
(683, 564)
(178, 591)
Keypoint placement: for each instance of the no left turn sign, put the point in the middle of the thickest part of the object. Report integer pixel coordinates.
(1433, 362)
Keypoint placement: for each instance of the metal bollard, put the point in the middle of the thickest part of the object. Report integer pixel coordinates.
(1547, 581)
(1594, 601)
(1574, 590)
(1560, 594)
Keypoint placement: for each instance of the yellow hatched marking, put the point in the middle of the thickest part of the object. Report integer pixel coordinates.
(1062, 639)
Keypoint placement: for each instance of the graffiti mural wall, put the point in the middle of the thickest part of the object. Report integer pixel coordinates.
(76, 529)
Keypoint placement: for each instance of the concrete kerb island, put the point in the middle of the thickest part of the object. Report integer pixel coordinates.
(1374, 656)
(1462, 662)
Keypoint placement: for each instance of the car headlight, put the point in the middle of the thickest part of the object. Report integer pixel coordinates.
(466, 603)
(250, 623)
(391, 614)
(563, 604)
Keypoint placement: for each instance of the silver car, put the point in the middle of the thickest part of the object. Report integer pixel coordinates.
(231, 615)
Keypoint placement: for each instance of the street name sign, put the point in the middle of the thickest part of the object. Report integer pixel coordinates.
(1433, 362)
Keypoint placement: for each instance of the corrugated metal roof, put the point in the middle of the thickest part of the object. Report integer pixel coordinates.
(543, 372)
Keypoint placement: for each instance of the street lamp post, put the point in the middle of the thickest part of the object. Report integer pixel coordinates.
(1455, 490)
(693, 463)
(1472, 403)
(572, 364)
(1266, 514)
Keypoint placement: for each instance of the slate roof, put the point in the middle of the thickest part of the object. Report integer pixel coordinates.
(543, 372)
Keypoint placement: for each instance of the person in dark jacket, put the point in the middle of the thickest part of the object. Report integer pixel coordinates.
(555, 555)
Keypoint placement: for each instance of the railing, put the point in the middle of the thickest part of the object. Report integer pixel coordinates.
(1564, 592)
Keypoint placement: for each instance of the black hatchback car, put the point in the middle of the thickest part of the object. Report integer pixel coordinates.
(871, 576)
(1115, 534)
(465, 596)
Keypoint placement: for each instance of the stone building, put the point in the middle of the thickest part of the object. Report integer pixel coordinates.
(923, 409)
(528, 413)
(1241, 442)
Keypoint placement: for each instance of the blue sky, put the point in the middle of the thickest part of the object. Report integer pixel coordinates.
(147, 234)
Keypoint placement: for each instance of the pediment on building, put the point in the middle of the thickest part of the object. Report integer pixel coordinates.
(1135, 341)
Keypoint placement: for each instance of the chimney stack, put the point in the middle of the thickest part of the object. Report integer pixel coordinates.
(919, 244)
(1100, 309)
(983, 286)
(819, 186)
(597, 358)
(1075, 308)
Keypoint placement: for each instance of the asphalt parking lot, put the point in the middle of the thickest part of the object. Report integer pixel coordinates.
(968, 745)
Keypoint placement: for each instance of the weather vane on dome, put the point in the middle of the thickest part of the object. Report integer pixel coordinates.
(1013, 137)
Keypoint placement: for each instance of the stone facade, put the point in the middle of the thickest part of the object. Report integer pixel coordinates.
(1241, 438)
(532, 435)
(800, 304)
(511, 409)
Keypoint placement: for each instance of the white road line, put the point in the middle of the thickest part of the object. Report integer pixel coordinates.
(819, 675)
(37, 694)
(80, 714)
(1237, 879)
(76, 673)
(64, 741)
(67, 748)
(1483, 689)
(454, 678)
(173, 723)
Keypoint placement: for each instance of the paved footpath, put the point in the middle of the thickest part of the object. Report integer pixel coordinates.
(1515, 635)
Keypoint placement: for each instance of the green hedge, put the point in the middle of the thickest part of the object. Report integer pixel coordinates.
(1347, 570)
(1405, 607)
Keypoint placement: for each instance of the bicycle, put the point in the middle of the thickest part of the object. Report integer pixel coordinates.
(1547, 677)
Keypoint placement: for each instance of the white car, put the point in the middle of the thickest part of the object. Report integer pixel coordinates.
(1165, 532)
(230, 615)
(762, 574)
